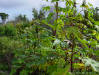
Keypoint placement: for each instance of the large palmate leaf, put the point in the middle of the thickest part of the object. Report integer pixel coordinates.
(90, 62)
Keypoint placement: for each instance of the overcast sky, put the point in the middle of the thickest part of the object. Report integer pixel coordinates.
(16, 7)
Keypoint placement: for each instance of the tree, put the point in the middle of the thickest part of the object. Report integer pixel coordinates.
(96, 14)
(62, 49)
(22, 18)
(3, 16)
(74, 25)
(38, 14)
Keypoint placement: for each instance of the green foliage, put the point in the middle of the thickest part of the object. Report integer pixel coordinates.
(8, 30)
(22, 18)
(38, 14)
(3, 16)
(90, 62)
(2, 30)
(51, 45)
(97, 22)
(96, 14)
(7, 48)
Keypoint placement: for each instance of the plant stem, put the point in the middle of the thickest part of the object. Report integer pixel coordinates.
(72, 53)
(72, 59)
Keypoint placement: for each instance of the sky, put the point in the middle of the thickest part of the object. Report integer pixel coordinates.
(16, 7)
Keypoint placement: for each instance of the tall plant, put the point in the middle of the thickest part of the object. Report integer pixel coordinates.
(3, 16)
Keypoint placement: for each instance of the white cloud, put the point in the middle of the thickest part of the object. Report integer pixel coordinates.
(11, 3)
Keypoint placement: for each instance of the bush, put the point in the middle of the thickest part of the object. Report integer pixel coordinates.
(2, 30)
(10, 30)
(7, 48)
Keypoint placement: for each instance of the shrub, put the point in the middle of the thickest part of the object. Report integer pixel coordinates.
(2, 30)
(10, 30)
